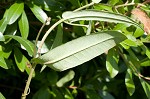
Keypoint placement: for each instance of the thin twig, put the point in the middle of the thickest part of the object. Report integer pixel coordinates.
(133, 68)
(39, 33)
(28, 82)
(83, 7)
(122, 5)
(33, 65)
(47, 33)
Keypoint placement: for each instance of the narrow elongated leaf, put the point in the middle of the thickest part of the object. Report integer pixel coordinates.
(26, 43)
(80, 50)
(59, 37)
(70, 75)
(98, 16)
(38, 12)
(24, 25)
(3, 25)
(129, 82)
(146, 87)
(112, 62)
(13, 13)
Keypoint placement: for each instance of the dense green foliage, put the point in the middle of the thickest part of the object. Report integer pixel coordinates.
(96, 51)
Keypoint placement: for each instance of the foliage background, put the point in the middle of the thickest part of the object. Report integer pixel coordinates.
(90, 80)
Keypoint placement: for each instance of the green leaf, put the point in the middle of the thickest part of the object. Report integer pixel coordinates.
(52, 77)
(50, 5)
(13, 13)
(3, 25)
(4, 63)
(38, 12)
(96, 1)
(24, 25)
(5, 50)
(129, 82)
(98, 16)
(59, 37)
(138, 32)
(112, 62)
(146, 87)
(43, 93)
(92, 94)
(80, 50)
(69, 76)
(106, 95)
(2, 38)
(20, 60)
(26, 43)
(1, 96)
(145, 62)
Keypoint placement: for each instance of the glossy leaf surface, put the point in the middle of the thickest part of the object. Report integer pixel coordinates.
(24, 25)
(13, 13)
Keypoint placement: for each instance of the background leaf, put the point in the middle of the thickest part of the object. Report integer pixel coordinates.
(112, 62)
(20, 59)
(129, 82)
(146, 87)
(27, 44)
(24, 25)
(78, 51)
(69, 76)
(4, 63)
(3, 25)
(38, 12)
(13, 13)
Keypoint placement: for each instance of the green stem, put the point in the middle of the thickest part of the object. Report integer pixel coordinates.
(33, 65)
(47, 33)
(28, 82)
(83, 7)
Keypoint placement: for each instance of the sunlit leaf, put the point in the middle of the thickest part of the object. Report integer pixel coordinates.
(4, 63)
(146, 87)
(3, 25)
(26, 43)
(112, 62)
(24, 25)
(13, 13)
(129, 82)
(38, 12)
(69, 76)
(1, 96)
(2, 38)
(96, 1)
(80, 50)
(5, 50)
(98, 16)
(145, 62)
